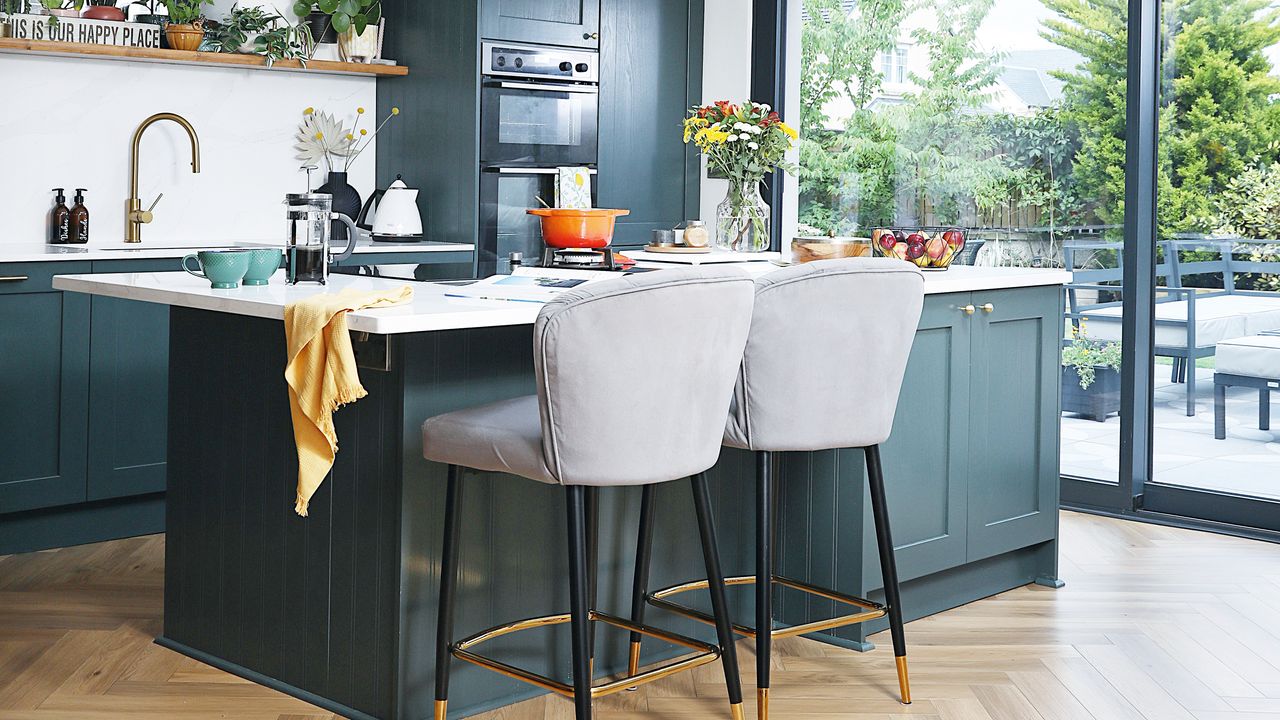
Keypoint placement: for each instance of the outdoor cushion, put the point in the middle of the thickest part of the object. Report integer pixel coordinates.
(1256, 356)
(1214, 322)
(1261, 312)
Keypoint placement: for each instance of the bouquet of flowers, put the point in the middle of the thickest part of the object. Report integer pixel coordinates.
(743, 144)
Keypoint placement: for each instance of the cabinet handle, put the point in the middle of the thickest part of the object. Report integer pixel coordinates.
(968, 309)
(591, 36)
(12, 278)
(987, 308)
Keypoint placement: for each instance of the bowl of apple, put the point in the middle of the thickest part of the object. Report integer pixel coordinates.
(928, 248)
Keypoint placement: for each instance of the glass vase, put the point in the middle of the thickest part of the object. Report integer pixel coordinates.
(742, 219)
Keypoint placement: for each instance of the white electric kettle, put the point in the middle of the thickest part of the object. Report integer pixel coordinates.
(392, 214)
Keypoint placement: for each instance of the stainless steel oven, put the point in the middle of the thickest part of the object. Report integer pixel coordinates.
(539, 111)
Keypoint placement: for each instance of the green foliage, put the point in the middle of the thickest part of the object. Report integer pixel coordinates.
(273, 37)
(343, 14)
(185, 12)
(13, 7)
(1086, 356)
(1249, 206)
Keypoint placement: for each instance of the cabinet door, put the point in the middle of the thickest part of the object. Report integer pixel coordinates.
(926, 474)
(128, 394)
(550, 22)
(644, 166)
(43, 390)
(1013, 455)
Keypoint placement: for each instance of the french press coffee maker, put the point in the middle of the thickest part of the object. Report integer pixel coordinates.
(307, 254)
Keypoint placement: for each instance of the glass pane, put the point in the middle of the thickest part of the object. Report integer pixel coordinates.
(539, 118)
(1008, 124)
(1218, 310)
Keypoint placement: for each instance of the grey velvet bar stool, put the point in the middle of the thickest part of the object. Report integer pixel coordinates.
(858, 316)
(624, 327)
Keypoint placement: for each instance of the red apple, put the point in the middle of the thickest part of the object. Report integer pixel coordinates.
(915, 248)
(884, 238)
(900, 250)
(954, 238)
(937, 248)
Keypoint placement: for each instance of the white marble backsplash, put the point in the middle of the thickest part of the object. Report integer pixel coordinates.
(67, 122)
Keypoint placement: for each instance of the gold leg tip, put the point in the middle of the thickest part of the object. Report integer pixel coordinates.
(736, 710)
(762, 703)
(904, 684)
(442, 707)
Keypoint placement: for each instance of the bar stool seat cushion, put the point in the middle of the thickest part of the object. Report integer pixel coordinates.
(504, 436)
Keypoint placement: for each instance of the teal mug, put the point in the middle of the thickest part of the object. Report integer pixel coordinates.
(263, 263)
(222, 268)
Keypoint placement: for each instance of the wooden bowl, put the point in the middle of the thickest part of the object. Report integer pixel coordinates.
(809, 249)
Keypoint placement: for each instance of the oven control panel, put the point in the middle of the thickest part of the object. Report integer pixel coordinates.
(534, 61)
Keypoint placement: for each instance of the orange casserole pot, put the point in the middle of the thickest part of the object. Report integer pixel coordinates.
(569, 228)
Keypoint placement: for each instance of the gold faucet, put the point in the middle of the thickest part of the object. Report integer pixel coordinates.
(137, 217)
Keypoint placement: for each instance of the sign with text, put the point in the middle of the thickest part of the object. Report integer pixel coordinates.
(81, 30)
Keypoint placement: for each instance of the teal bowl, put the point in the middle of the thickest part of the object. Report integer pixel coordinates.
(263, 263)
(224, 269)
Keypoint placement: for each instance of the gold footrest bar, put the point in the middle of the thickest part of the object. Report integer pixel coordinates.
(706, 653)
(868, 610)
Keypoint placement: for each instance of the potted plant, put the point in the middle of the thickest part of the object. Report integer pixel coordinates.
(354, 21)
(150, 14)
(252, 31)
(1090, 376)
(103, 10)
(186, 23)
(63, 8)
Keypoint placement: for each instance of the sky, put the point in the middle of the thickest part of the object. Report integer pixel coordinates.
(1014, 25)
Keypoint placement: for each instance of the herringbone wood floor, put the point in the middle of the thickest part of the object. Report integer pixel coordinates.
(1154, 624)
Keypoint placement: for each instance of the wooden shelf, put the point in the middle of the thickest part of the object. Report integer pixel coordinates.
(182, 57)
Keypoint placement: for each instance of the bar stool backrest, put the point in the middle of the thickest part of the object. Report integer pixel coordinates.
(826, 356)
(635, 375)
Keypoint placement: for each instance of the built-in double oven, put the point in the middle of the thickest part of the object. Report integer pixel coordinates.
(539, 111)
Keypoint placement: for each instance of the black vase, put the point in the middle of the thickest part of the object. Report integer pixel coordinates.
(345, 200)
(321, 26)
(160, 20)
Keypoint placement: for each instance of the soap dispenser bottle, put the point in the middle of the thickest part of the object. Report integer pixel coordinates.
(59, 219)
(79, 220)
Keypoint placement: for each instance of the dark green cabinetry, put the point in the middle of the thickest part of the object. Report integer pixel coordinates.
(128, 390)
(44, 354)
(971, 468)
(550, 22)
(651, 72)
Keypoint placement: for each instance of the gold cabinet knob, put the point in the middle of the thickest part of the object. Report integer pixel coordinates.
(987, 308)
(968, 309)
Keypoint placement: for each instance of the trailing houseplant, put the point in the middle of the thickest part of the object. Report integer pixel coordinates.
(254, 31)
(186, 23)
(744, 144)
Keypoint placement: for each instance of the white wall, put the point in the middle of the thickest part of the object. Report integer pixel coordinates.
(726, 75)
(67, 122)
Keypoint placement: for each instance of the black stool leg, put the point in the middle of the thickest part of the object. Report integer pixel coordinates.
(579, 592)
(764, 579)
(593, 562)
(448, 588)
(888, 567)
(644, 550)
(715, 583)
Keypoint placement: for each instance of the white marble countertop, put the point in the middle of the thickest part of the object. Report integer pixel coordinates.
(158, 250)
(431, 310)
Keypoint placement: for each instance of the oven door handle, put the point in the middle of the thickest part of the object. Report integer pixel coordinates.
(516, 170)
(549, 87)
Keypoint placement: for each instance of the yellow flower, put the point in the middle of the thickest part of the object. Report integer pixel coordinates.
(309, 111)
(790, 131)
(364, 132)
(350, 136)
(360, 111)
(319, 136)
(395, 111)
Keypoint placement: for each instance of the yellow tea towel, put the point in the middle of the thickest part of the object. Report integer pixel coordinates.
(322, 376)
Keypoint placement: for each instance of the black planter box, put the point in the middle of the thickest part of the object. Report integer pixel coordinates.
(1100, 400)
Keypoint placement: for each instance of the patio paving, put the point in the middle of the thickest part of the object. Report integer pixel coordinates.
(1247, 462)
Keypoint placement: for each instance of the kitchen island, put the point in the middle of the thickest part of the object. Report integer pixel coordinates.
(339, 608)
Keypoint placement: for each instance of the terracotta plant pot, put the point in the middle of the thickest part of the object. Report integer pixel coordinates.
(104, 12)
(185, 37)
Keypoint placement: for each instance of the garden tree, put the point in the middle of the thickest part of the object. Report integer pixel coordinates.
(839, 54)
(1217, 117)
(1223, 120)
(930, 156)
